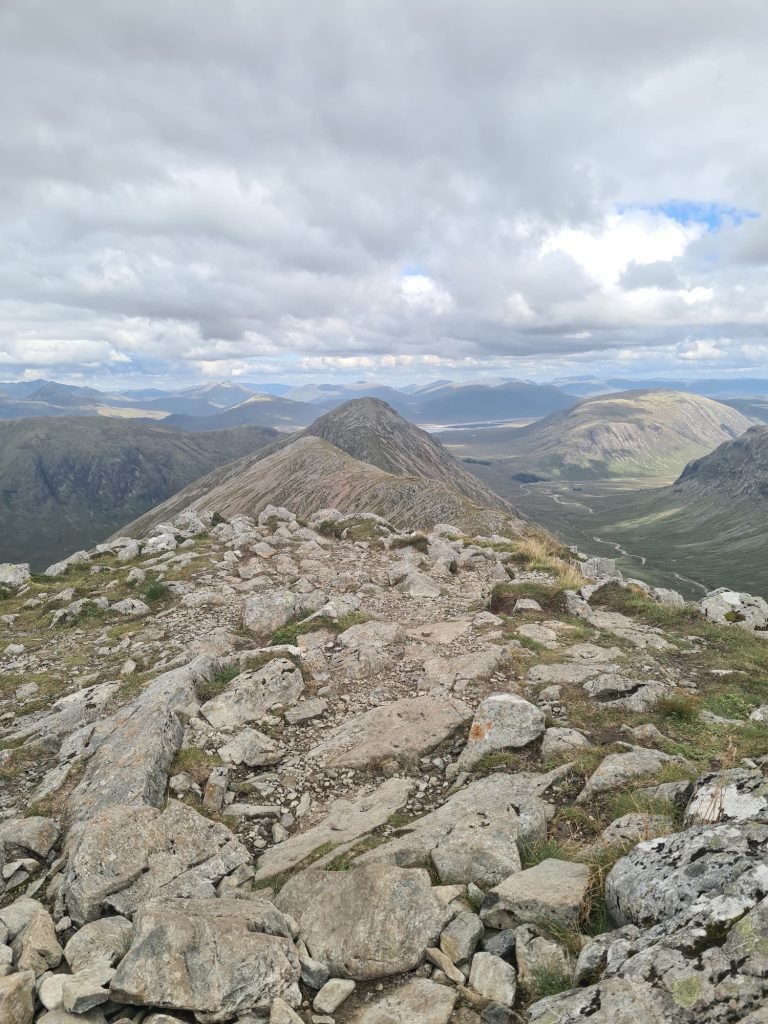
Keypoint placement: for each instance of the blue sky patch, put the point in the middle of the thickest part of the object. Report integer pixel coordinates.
(685, 211)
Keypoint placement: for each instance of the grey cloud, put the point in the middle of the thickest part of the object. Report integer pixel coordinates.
(188, 181)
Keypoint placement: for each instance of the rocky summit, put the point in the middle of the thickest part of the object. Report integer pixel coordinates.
(321, 770)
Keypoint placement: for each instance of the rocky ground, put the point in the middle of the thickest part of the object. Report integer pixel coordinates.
(284, 771)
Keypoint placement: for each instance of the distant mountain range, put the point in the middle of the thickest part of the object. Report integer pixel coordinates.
(362, 456)
(631, 434)
(66, 485)
(230, 404)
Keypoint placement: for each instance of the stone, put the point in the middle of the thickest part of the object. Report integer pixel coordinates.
(416, 1002)
(103, 942)
(333, 993)
(252, 748)
(214, 957)
(216, 788)
(250, 695)
(760, 714)
(473, 836)
(666, 876)
(503, 721)
(14, 575)
(130, 606)
(461, 937)
(667, 598)
(130, 766)
(731, 795)
(281, 1013)
(595, 568)
(264, 613)
(493, 978)
(84, 990)
(561, 742)
(535, 954)
(371, 922)
(17, 997)
(730, 607)
(363, 648)
(306, 711)
(418, 585)
(36, 947)
(457, 672)
(402, 730)
(33, 835)
(526, 604)
(445, 965)
(346, 821)
(552, 893)
(635, 827)
(128, 855)
(616, 770)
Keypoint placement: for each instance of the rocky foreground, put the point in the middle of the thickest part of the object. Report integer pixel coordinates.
(282, 771)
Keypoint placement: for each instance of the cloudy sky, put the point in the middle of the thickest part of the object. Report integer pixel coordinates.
(387, 189)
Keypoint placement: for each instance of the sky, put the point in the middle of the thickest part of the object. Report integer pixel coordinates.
(395, 190)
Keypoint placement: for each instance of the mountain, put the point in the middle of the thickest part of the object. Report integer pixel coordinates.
(239, 759)
(754, 408)
(721, 389)
(360, 457)
(65, 484)
(264, 410)
(634, 433)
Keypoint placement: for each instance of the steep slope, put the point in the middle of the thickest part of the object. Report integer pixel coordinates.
(65, 484)
(634, 433)
(359, 457)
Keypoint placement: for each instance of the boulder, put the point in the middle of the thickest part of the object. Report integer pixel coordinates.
(333, 993)
(664, 877)
(416, 1002)
(347, 820)
(17, 992)
(371, 922)
(552, 893)
(36, 947)
(252, 748)
(128, 855)
(402, 730)
(473, 836)
(131, 764)
(14, 575)
(217, 958)
(616, 770)
(24, 836)
(461, 937)
(730, 607)
(493, 978)
(634, 828)
(456, 672)
(306, 711)
(264, 613)
(363, 648)
(536, 954)
(502, 722)
(103, 942)
(130, 606)
(559, 742)
(731, 795)
(250, 695)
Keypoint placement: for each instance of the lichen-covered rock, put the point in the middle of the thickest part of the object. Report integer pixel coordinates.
(250, 695)
(367, 923)
(663, 877)
(731, 795)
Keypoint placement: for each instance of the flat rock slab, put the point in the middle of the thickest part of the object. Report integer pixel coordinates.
(440, 632)
(404, 729)
(616, 770)
(250, 695)
(552, 893)
(567, 672)
(456, 673)
(473, 837)
(214, 957)
(347, 820)
(131, 764)
(367, 923)
(128, 855)
(417, 1002)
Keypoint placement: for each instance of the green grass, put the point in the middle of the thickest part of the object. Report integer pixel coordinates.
(291, 631)
(156, 592)
(419, 541)
(195, 762)
(212, 687)
(505, 595)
